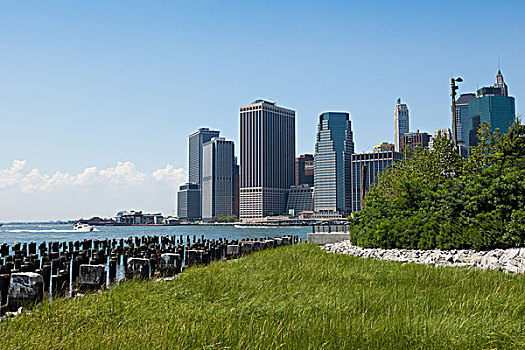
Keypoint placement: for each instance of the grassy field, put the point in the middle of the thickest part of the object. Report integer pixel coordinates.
(294, 297)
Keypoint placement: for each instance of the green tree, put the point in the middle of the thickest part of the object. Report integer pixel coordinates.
(436, 199)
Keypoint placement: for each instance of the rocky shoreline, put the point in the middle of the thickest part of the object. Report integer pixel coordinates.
(509, 260)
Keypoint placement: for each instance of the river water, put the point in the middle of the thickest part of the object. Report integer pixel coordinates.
(10, 233)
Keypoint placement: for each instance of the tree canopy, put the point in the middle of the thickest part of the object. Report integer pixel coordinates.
(437, 199)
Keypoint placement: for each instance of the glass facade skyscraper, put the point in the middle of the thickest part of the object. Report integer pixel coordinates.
(462, 114)
(498, 111)
(492, 105)
(333, 149)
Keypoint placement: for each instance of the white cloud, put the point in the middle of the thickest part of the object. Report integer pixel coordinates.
(28, 194)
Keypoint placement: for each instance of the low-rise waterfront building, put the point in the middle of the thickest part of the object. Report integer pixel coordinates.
(189, 202)
(134, 217)
(300, 198)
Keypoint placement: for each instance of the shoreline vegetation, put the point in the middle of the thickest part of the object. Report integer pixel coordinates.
(435, 199)
(291, 297)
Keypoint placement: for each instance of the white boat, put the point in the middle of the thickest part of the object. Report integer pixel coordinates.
(82, 227)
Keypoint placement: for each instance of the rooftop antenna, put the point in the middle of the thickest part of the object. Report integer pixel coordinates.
(499, 62)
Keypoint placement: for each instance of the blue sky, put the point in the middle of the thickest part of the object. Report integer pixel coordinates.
(91, 84)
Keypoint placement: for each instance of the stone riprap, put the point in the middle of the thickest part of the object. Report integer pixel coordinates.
(510, 260)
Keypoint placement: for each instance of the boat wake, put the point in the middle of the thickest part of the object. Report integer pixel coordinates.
(45, 231)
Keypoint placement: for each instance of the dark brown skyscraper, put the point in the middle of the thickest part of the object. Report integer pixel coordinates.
(304, 170)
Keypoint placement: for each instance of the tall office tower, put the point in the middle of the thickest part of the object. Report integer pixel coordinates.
(462, 113)
(401, 123)
(414, 139)
(189, 202)
(493, 106)
(333, 149)
(267, 158)
(217, 188)
(196, 141)
(366, 168)
(236, 187)
(304, 170)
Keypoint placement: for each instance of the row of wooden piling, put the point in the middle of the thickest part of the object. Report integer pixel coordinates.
(29, 271)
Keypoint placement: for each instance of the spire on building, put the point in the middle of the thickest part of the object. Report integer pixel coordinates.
(500, 83)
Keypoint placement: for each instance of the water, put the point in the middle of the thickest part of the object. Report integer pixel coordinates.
(65, 233)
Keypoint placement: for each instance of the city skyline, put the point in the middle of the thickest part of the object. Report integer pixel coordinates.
(169, 171)
(101, 109)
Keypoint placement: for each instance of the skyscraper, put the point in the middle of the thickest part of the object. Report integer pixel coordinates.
(333, 149)
(267, 150)
(494, 106)
(236, 187)
(462, 113)
(304, 170)
(401, 123)
(217, 190)
(195, 140)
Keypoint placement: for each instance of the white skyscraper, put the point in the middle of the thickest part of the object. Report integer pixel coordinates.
(217, 188)
(401, 123)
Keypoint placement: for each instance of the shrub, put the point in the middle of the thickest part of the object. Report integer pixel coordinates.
(436, 199)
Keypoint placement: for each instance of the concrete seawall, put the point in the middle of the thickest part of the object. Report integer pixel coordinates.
(322, 238)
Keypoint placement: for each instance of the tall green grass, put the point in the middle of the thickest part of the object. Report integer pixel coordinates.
(294, 297)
